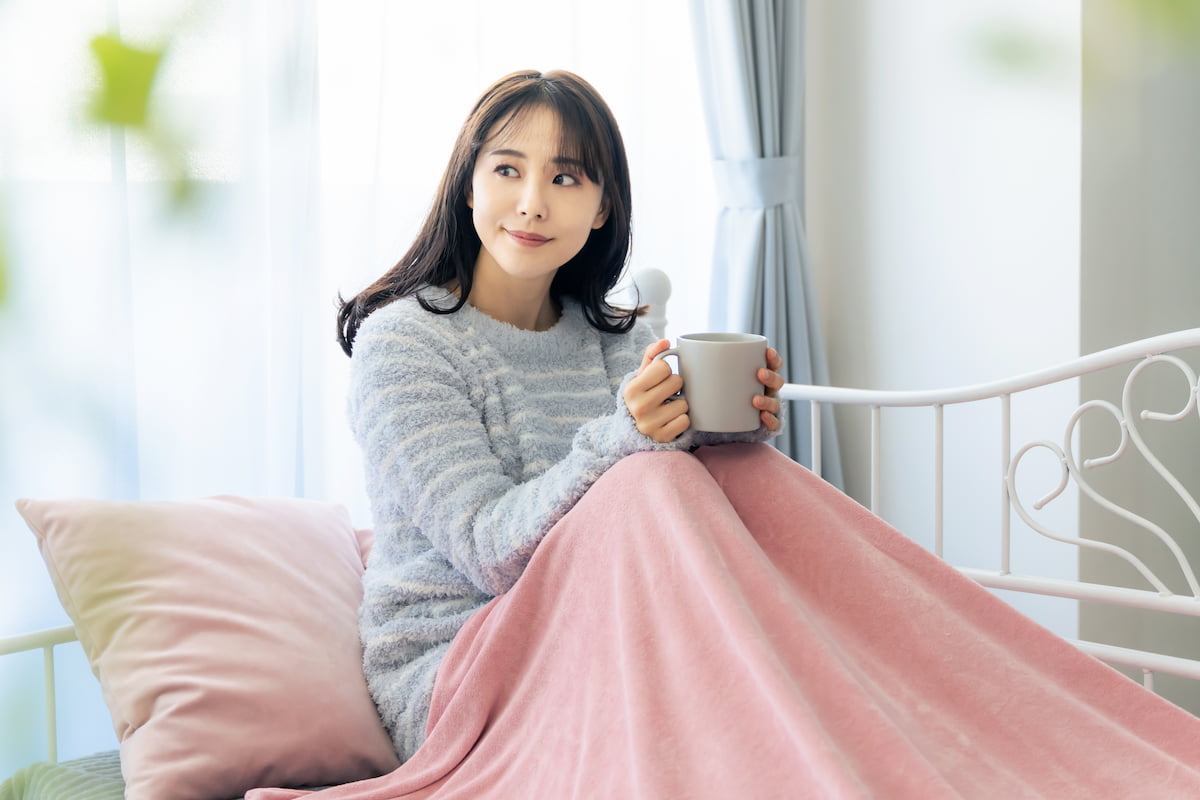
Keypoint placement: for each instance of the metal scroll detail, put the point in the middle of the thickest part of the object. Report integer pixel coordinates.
(1128, 424)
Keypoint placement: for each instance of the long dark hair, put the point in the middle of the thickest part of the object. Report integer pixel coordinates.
(445, 250)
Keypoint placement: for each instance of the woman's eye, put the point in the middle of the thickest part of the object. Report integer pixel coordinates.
(506, 171)
(565, 180)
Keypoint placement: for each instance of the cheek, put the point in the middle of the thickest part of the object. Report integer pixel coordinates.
(485, 204)
(590, 216)
(479, 189)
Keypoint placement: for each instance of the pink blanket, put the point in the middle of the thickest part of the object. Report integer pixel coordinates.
(727, 625)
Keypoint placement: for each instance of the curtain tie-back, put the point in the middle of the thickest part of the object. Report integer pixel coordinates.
(759, 182)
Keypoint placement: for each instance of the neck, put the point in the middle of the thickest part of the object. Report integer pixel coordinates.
(525, 304)
(534, 316)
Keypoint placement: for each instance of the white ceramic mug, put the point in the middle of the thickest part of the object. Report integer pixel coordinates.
(720, 378)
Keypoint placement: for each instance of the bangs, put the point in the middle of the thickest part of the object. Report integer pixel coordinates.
(577, 133)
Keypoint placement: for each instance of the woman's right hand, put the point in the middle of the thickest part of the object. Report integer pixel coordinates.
(648, 397)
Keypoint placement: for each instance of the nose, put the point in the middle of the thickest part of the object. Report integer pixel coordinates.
(532, 202)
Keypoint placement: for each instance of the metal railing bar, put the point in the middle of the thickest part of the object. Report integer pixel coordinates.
(36, 640)
(1082, 365)
(815, 422)
(51, 704)
(1149, 663)
(939, 459)
(45, 640)
(1005, 504)
(1080, 590)
(876, 422)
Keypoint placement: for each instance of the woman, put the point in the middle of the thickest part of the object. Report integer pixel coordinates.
(492, 381)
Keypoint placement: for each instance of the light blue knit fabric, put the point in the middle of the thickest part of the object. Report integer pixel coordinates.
(477, 437)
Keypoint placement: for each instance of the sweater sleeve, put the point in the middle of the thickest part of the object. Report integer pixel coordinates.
(428, 452)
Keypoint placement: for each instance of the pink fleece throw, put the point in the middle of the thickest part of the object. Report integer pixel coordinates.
(727, 625)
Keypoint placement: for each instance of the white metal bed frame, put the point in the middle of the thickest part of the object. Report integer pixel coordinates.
(44, 640)
(1140, 353)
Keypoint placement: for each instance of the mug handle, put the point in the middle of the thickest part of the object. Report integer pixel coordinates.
(672, 351)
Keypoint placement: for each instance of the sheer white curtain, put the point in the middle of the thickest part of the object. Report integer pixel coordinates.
(150, 354)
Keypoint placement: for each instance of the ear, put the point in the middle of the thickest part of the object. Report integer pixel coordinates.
(601, 215)
(470, 198)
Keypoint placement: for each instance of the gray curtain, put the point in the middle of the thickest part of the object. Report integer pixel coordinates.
(750, 54)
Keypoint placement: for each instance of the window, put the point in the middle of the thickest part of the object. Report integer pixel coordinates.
(153, 354)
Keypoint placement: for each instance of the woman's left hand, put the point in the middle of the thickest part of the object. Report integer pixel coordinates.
(768, 404)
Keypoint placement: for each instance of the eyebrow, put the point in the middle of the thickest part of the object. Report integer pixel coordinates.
(561, 160)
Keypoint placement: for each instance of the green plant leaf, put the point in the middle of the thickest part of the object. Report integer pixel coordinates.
(126, 76)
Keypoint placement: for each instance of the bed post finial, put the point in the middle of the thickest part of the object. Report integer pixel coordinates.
(654, 289)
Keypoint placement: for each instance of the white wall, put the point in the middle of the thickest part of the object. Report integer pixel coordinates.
(943, 209)
(1141, 198)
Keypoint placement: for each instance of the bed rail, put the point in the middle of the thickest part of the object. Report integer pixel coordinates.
(1138, 355)
(44, 640)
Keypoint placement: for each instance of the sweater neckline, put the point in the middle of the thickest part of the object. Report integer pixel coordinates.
(501, 332)
(560, 335)
(482, 318)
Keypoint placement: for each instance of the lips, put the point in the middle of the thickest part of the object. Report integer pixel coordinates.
(526, 238)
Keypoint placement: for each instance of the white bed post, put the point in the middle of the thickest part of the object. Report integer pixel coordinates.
(46, 641)
(1005, 497)
(876, 456)
(653, 290)
(939, 480)
(815, 424)
(51, 705)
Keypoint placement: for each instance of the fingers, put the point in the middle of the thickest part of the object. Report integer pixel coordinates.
(769, 405)
(662, 421)
(673, 429)
(653, 350)
(769, 376)
(772, 380)
(647, 395)
(662, 428)
(653, 385)
(768, 412)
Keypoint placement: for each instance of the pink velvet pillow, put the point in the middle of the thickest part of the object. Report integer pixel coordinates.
(224, 635)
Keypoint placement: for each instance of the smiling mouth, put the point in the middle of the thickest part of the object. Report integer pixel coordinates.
(527, 239)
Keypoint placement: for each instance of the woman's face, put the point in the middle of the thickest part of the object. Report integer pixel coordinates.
(532, 208)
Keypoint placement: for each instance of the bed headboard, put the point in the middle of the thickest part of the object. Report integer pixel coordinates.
(1154, 408)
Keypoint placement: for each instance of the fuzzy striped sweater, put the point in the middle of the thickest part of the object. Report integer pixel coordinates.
(477, 437)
